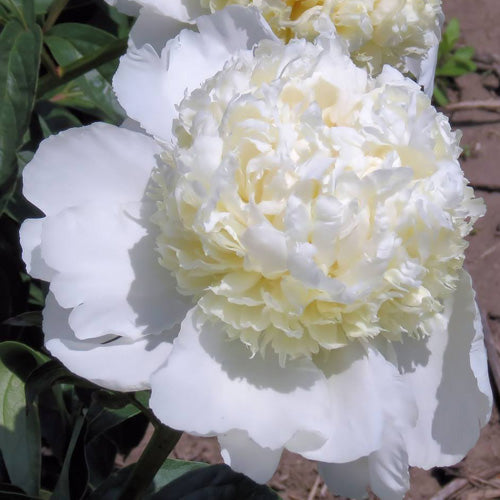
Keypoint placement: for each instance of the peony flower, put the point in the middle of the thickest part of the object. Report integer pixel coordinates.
(402, 33)
(278, 257)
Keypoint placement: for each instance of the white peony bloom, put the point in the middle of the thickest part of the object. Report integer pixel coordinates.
(280, 259)
(402, 33)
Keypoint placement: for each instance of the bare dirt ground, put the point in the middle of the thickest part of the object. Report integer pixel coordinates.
(296, 478)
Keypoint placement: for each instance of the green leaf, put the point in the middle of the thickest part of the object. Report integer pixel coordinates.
(42, 6)
(44, 377)
(20, 50)
(49, 374)
(20, 439)
(173, 469)
(169, 471)
(31, 318)
(54, 119)
(215, 481)
(101, 420)
(72, 481)
(23, 10)
(122, 21)
(68, 43)
(440, 96)
(452, 31)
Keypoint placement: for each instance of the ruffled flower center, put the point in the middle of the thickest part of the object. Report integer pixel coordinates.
(306, 204)
(377, 32)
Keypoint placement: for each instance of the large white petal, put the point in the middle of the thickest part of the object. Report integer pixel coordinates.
(365, 391)
(384, 471)
(244, 455)
(150, 86)
(98, 163)
(129, 7)
(30, 236)
(182, 10)
(449, 380)
(118, 365)
(154, 29)
(424, 69)
(107, 269)
(211, 385)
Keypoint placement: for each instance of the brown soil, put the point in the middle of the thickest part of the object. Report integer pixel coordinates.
(296, 477)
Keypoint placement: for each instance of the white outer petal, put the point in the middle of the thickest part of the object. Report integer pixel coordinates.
(97, 245)
(129, 7)
(424, 69)
(449, 379)
(106, 268)
(154, 29)
(185, 63)
(183, 10)
(367, 394)
(98, 163)
(244, 455)
(119, 365)
(30, 236)
(210, 385)
(384, 471)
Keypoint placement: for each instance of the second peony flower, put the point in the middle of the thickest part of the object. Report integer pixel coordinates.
(276, 251)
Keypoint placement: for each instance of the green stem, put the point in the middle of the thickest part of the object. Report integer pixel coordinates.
(54, 12)
(162, 442)
(48, 63)
(81, 66)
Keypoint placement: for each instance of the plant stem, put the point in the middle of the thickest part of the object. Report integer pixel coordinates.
(81, 66)
(159, 447)
(54, 12)
(48, 63)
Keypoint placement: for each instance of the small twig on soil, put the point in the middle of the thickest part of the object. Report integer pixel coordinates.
(488, 188)
(487, 105)
(324, 491)
(489, 251)
(314, 489)
(452, 488)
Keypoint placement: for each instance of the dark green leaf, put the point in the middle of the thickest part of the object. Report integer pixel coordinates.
(215, 481)
(48, 375)
(54, 119)
(42, 6)
(44, 377)
(143, 397)
(20, 358)
(170, 470)
(111, 400)
(31, 318)
(72, 482)
(37, 297)
(19, 62)
(19, 430)
(122, 21)
(100, 456)
(111, 488)
(23, 10)
(101, 420)
(69, 42)
(173, 469)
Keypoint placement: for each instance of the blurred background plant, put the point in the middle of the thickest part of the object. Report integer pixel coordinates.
(453, 61)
